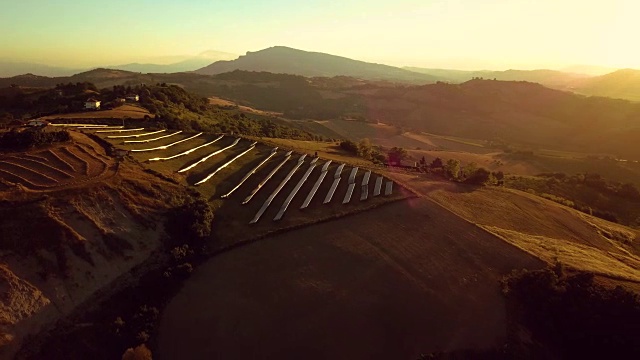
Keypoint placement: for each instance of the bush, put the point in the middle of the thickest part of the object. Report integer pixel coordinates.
(21, 140)
(141, 352)
(576, 316)
(480, 176)
(349, 146)
(190, 223)
(396, 155)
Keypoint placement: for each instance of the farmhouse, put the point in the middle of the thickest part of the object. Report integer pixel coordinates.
(92, 104)
(133, 97)
(37, 123)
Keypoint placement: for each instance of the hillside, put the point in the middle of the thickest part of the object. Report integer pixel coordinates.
(520, 114)
(542, 228)
(390, 283)
(71, 223)
(280, 59)
(621, 84)
(550, 78)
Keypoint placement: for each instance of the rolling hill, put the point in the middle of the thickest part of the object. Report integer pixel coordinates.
(550, 78)
(510, 112)
(280, 59)
(622, 84)
(14, 68)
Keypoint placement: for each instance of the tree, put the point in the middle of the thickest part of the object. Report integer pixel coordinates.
(437, 163)
(364, 148)
(396, 155)
(498, 175)
(190, 223)
(452, 168)
(468, 170)
(479, 177)
(141, 352)
(423, 161)
(349, 146)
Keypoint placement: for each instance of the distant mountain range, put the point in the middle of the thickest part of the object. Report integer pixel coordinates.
(13, 68)
(623, 84)
(285, 60)
(171, 64)
(188, 64)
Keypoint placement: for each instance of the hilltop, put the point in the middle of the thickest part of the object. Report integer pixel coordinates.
(285, 60)
(622, 84)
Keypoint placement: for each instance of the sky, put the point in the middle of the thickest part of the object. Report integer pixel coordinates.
(461, 34)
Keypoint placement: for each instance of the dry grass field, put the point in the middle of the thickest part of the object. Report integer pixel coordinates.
(543, 228)
(124, 111)
(389, 283)
(213, 100)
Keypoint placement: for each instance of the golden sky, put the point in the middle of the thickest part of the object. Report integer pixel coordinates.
(465, 34)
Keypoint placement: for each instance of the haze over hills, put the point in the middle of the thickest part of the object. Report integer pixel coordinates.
(622, 84)
(14, 68)
(550, 78)
(514, 112)
(160, 64)
(186, 64)
(285, 60)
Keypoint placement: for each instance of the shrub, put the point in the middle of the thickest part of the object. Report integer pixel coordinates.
(349, 146)
(479, 176)
(575, 315)
(20, 140)
(141, 352)
(190, 223)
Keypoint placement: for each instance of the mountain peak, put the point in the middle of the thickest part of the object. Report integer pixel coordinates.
(283, 59)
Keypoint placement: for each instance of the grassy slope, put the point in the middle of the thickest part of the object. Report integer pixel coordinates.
(543, 228)
(124, 111)
(389, 283)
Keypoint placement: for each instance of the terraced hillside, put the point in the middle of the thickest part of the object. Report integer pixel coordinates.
(69, 165)
(71, 223)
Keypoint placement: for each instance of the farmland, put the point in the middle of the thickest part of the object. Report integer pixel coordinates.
(412, 277)
(389, 283)
(56, 167)
(543, 228)
(124, 111)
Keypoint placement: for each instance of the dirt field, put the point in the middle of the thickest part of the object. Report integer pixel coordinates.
(389, 283)
(124, 111)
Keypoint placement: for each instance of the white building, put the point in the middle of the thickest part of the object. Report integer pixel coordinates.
(92, 104)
